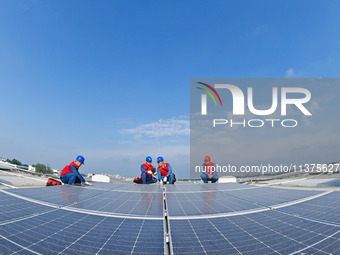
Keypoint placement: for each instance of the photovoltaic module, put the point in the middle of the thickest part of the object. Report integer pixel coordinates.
(118, 218)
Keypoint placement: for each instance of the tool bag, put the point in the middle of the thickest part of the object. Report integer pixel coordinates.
(52, 182)
(174, 179)
(138, 180)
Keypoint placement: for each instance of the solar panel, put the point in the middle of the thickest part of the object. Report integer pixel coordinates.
(119, 218)
(98, 199)
(82, 220)
(324, 208)
(256, 220)
(267, 232)
(194, 187)
(270, 196)
(236, 199)
(68, 232)
(12, 208)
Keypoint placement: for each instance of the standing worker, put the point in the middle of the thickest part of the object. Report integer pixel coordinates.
(148, 171)
(164, 171)
(209, 173)
(70, 174)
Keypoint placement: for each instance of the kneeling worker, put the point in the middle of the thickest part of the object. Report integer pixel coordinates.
(209, 173)
(70, 174)
(164, 171)
(148, 171)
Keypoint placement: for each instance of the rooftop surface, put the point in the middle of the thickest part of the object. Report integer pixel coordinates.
(15, 179)
(120, 218)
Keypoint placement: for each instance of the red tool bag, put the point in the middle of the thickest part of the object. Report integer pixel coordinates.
(52, 182)
(138, 180)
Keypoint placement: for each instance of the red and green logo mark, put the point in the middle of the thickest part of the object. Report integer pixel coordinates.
(209, 93)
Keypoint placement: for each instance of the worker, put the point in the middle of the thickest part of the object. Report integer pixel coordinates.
(70, 174)
(148, 171)
(209, 173)
(164, 171)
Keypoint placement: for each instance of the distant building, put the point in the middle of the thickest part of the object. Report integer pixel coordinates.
(56, 172)
(7, 165)
(101, 178)
(31, 168)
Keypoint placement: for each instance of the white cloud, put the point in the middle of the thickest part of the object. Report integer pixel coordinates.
(163, 127)
(290, 73)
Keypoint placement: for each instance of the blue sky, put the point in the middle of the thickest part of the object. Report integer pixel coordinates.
(110, 79)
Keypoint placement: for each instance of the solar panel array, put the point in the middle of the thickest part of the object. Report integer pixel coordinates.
(119, 218)
(82, 220)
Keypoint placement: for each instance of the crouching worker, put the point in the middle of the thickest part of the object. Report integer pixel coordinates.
(70, 174)
(209, 173)
(164, 171)
(148, 171)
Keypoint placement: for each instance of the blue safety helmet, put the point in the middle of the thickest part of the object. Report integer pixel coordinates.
(81, 159)
(159, 159)
(148, 159)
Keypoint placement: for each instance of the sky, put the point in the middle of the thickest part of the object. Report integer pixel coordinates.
(110, 80)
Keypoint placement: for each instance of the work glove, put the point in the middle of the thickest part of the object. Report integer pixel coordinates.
(149, 172)
(161, 182)
(165, 179)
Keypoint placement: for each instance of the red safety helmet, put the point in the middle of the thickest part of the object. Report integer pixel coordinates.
(206, 158)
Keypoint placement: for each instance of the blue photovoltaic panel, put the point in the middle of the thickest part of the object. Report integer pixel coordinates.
(101, 199)
(121, 218)
(131, 203)
(128, 187)
(70, 233)
(266, 230)
(154, 188)
(217, 202)
(106, 186)
(188, 188)
(324, 208)
(261, 233)
(60, 195)
(184, 204)
(271, 196)
(14, 208)
(46, 229)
